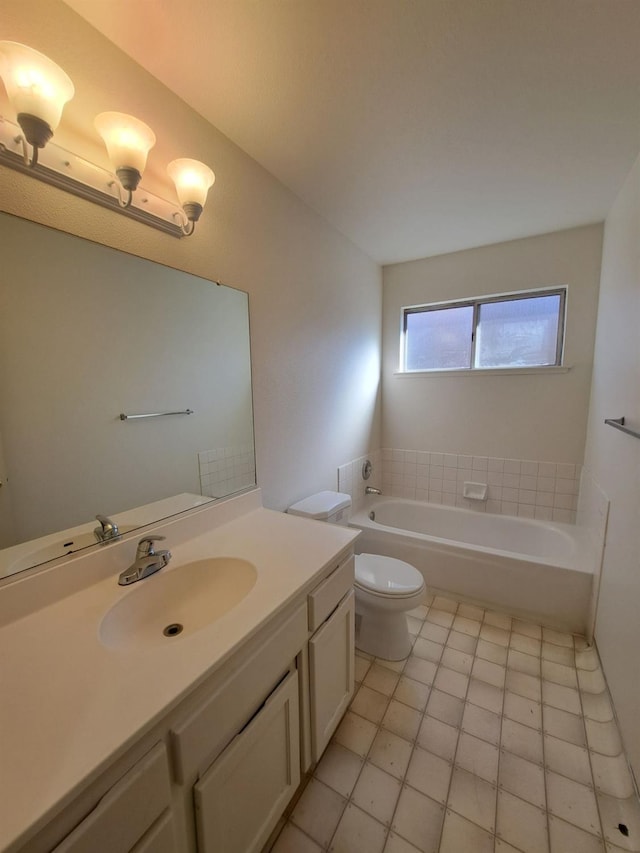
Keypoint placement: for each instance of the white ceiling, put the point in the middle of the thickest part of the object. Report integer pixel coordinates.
(416, 127)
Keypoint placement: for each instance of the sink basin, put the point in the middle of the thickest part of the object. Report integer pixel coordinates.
(176, 602)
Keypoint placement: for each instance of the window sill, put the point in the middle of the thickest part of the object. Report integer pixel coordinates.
(478, 371)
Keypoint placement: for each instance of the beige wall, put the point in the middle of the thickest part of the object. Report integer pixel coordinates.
(525, 416)
(613, 459)
(315, 299)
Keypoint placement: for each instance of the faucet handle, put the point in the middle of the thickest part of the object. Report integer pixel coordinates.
(145, 546)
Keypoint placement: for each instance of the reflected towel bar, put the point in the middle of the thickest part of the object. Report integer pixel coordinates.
(124, 417)
(618, 423)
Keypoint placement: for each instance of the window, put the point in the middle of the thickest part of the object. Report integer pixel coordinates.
(514, 330)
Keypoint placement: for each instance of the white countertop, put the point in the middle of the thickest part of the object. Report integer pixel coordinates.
(69, 703)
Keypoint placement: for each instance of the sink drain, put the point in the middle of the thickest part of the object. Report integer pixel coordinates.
(173, 630)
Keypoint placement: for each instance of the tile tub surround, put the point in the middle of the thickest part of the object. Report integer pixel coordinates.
(352, 483)
(493, 735)
(226, 470)
(543, 490)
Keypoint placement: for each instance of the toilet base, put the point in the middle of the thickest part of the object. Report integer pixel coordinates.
(383, 634)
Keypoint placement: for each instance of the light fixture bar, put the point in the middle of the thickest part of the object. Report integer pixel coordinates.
(74, 174)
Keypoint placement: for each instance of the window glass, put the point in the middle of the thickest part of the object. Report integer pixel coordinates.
(439, 339)
(518, 332)
(514, 330)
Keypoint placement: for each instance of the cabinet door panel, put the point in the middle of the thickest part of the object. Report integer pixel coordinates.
(242, 795)
(126, 811)
(331, 663)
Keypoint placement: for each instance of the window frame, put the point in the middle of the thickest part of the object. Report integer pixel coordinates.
(475, 303)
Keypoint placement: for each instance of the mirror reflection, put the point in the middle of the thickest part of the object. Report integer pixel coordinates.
(87, 334)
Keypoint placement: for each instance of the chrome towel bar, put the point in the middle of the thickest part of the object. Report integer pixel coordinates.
(618, 423)
(124, 417)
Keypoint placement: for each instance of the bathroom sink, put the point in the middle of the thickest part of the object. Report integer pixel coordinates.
(176, 602)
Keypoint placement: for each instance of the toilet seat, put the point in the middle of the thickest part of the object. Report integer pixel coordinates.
(387, 577)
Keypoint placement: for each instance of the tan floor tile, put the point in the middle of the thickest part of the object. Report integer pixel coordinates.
(358, 831)
(462, 642)
(381, 679)
(318, 812)
(573, 802)
(438, 737)
(499, 620)
(523, 710)
(390, 753)
(567, 759)
(524, 685)
(467, 626)
(418, 819)
(525, 644)
(564, 837)
(490, 672)
(460, 835)
(492, 652)
(448, 709)
(527, 628)
(293, 840)
(478, 757)
(522, 824)
(603, 737)
(558, 654)
(412, 693)
(441, 602)
(481, 723)
(429, 774)
(485, 695)
(339, 768)
(456, 660)
(451, 682)
(495, 635)
(473, 798)
(563, 725)
(369, 704)
(355, 733)
(396, 844)
(522, 741)
(402, 720)
(377, 793)
(420, 670)
(560, 674)
(523, 662)
(564, 698)
(361, 667)
(615, 812)
(557, 637)
(522, 778)
(437, 633)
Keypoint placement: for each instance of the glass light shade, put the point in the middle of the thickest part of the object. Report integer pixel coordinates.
(128, 140)
(192, 179)
(35, 84)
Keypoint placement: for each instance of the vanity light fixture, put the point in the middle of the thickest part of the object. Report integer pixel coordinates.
(193, 181)
(128, 141)
(38, 90)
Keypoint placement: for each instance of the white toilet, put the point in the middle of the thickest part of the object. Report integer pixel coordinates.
(385, 588)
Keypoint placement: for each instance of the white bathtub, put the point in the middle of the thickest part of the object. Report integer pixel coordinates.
(538, 570)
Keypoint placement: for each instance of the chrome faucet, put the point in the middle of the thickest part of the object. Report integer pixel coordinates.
(148, 561)
(107, 531)
(371, 491)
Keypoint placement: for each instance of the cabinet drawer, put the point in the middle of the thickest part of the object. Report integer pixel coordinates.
(205, 733)
(326, 596)
(159, 839)
(240, 798)
(125, 812)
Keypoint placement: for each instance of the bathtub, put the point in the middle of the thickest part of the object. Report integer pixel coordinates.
(537, 570)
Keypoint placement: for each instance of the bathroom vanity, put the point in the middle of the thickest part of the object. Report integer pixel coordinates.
(116, 737)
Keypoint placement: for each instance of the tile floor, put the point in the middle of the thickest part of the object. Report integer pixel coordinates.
(493, 735)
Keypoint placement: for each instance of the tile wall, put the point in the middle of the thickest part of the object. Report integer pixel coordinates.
(226, 470)
(543, 490)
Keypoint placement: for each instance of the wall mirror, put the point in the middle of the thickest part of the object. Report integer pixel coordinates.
(88, 333)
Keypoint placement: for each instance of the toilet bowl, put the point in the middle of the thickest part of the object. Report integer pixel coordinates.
(385, 588)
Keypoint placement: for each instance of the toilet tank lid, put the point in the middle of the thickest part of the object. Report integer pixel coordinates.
(321, 505)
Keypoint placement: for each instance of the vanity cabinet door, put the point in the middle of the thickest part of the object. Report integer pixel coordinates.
(331, 666)
(127, 811)
(242, 795)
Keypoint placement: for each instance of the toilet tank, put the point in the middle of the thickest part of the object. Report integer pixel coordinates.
(334, 507)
